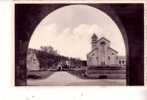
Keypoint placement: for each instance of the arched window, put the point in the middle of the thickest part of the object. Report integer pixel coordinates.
(103, 43)
(120, 62)
(123, 62)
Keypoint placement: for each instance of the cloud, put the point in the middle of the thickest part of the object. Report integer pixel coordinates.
(75, 42)
(87, 30)
(72, 42)
(69, 30)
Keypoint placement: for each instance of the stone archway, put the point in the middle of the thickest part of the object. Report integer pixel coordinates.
(32, 14)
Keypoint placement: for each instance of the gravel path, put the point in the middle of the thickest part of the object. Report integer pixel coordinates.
(66, 79)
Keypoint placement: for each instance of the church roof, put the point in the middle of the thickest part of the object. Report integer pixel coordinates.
(112, 49)
(91, 51)
(102, 38)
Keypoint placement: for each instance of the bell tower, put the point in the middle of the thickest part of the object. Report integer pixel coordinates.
(94, 40)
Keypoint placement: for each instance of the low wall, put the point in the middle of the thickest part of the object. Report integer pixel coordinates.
(106, 72)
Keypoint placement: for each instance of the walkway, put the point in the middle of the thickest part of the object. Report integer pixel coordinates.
(66, 79)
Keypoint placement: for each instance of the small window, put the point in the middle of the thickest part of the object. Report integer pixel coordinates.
(119, 61)
(103, 43)
(123, 62)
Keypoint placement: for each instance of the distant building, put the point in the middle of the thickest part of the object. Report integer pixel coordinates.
(104, 62)
(122, 61)
(32, 60)
(103, 55)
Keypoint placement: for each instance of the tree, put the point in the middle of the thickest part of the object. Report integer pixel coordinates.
(48, 49)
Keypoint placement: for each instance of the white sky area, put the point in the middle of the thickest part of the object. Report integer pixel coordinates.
(69, 29)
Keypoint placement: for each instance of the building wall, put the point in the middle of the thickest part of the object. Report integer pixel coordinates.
(92, 58)
(32, 61)
(102, 52)
(111, 58)
(121, 61)
(103, 55)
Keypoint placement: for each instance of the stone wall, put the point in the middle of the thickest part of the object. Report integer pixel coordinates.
(106, 72)
(32, 61)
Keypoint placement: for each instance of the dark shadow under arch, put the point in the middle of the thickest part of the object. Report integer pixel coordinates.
(129, 20)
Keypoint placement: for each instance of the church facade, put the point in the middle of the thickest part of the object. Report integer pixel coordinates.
(103, 55)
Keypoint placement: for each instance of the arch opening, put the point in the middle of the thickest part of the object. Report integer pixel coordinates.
(59, 35)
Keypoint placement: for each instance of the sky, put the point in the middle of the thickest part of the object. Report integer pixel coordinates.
(69, 29)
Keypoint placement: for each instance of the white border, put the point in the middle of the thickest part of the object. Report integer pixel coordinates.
(79, 1)
(145, 43)
(9, 92)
